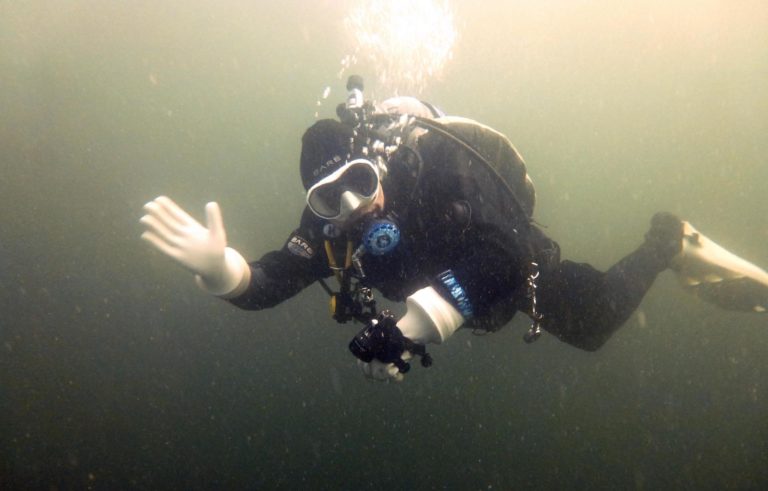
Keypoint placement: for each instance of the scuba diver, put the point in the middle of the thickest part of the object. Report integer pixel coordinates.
(437, 211)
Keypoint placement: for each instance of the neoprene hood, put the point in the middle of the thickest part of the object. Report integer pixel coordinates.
(325, 147)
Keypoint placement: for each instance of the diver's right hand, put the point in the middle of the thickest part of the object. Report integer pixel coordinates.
(220, 270)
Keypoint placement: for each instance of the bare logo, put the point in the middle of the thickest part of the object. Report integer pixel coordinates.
(300, 247)
(327, 165)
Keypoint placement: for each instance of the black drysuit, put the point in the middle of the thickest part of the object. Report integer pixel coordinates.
(457, 213)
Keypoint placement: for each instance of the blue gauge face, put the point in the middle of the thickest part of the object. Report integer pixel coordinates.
(381, 238)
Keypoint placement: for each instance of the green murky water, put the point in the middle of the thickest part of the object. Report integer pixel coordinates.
(117, 373)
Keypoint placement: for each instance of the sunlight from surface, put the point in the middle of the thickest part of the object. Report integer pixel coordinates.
(407, 42)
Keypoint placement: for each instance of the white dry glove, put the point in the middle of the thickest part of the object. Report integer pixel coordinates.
(219, 270)
(429, 319)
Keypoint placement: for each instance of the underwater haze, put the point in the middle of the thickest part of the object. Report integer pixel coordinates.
(117, 372)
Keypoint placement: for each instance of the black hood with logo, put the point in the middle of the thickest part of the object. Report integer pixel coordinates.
(325, 147)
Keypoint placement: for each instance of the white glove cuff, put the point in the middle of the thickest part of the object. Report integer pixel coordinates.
(430, 318)
(232, 280)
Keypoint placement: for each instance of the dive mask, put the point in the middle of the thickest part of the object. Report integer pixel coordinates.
(337, 196)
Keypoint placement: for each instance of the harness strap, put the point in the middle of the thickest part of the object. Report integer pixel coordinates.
(337, 271)
(332, 261)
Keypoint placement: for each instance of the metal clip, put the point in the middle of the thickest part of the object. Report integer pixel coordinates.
(357, 263)
(534, 332)
(366, 295)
